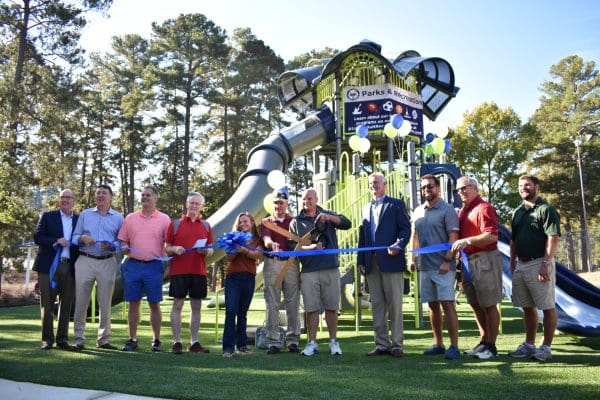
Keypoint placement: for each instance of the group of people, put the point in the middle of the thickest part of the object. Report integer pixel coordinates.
(85, 246)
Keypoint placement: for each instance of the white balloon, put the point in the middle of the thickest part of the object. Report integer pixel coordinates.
(441, 131)
(276, 179)
(364, 145)
(405, 128)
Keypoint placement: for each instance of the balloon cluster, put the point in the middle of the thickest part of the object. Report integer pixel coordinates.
(229, 240)
(360, 142)
(398, 126)
(437, 145)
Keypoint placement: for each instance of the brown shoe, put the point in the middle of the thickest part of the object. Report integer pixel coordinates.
(197, 348)
(398, 353)
(377, 352)
(46, 346)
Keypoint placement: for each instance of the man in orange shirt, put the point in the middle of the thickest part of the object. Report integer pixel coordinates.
(188, 270)
(142, 237)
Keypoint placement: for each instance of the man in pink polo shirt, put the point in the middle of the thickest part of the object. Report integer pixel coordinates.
(142, 237)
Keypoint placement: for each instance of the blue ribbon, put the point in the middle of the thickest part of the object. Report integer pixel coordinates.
(445, 247)
(54, 267)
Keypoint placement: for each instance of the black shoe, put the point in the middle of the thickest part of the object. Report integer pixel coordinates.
(273, 350)
(293, 348)
(106, 346)
(79, 347)
(156, 345)
(130, 345)
(66, 346)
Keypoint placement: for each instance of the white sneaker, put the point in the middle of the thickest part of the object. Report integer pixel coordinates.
(334, 348)
(311, 349)
(477, 349)
(543, 353)
(488, 353)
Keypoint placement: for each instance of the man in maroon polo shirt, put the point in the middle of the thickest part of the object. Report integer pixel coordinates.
(478, 235)
(291, 283)
(188, 270)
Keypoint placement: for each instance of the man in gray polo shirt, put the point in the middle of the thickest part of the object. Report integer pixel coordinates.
(435, 222)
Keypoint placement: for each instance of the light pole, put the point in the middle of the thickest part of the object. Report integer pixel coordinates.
(578, 141)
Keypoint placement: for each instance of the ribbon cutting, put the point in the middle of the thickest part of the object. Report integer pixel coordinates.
(446, 247)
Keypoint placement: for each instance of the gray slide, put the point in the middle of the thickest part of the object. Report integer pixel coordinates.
(275, 152)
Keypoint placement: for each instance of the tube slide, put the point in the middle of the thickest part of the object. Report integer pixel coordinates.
(577, 300)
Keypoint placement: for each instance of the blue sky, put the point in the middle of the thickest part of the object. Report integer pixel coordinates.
(501, 51)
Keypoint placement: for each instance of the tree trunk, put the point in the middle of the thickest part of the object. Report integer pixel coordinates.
(570, 248)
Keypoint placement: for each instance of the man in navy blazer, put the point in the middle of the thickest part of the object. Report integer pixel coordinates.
(52, 234)
(385, 222)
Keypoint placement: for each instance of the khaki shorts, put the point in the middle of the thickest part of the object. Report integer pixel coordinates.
(486, 275)
(528, 291)
(321, 290)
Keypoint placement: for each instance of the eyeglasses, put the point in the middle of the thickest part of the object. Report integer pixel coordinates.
(429, 186)
(66, 197)
(460, 189)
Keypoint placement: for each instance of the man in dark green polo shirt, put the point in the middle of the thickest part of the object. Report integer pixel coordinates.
(535, 235)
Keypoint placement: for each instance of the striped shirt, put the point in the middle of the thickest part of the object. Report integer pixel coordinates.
(146, 235)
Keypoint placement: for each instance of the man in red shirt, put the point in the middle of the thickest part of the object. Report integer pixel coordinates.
(478, 235)
(188, 269)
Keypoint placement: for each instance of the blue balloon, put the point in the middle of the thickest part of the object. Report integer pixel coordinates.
(362, 131)
(447, 146)
(429, 137)
(396, 120)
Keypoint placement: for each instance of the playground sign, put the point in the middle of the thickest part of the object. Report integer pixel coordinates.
(374, 104)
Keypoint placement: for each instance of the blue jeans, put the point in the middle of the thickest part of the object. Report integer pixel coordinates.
(239, 289)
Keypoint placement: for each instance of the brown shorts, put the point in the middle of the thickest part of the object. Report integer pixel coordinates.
(528, 291)
(485, 288)
(321, 289)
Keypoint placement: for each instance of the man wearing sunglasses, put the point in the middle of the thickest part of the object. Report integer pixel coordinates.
(435, 222)
(478, 234)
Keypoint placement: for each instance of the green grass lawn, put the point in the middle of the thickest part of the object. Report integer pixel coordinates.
(573, 372)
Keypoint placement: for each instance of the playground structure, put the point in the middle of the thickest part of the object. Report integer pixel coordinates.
(337, 98)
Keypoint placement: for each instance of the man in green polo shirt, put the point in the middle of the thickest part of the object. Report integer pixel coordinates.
(535, 235)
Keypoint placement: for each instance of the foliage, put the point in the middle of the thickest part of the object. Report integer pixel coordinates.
(491, 146)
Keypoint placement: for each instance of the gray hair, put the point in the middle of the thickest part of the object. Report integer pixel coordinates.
(191, 194)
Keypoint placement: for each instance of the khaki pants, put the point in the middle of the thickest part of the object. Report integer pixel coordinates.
(291, 299)
(386, 291)
(87, 271)
(65, 290)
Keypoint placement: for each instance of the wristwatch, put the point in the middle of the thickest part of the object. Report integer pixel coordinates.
(469, 242)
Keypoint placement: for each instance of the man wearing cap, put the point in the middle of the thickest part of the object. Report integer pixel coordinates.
(290, 285)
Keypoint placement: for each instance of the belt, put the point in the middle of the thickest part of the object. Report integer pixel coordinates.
(276, 257)
(81, 253)
(526, 259)
(64, 259)
(142, 261)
